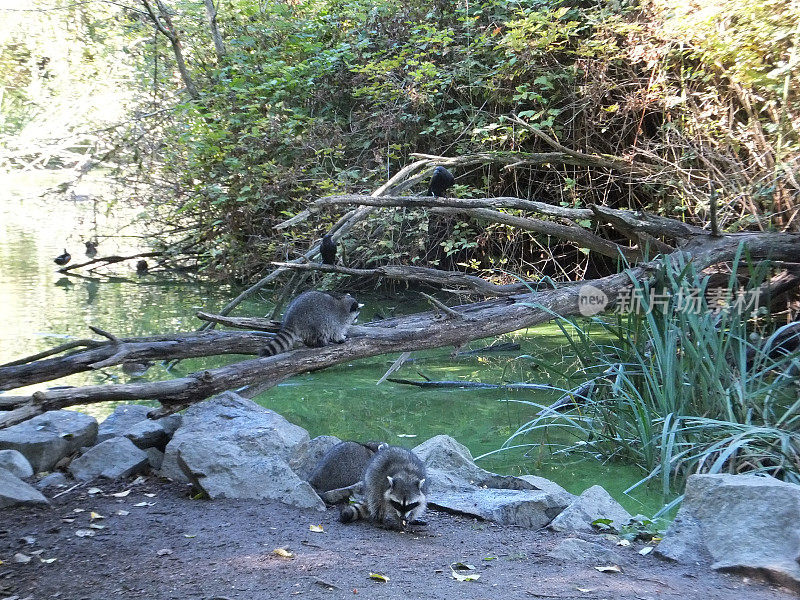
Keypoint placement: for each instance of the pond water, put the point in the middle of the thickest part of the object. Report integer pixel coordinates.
(41, 308)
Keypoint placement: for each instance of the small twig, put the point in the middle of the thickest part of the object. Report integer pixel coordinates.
(396, 365)
(56, 350)
(105, 334)
(443, 307)
(70, 489)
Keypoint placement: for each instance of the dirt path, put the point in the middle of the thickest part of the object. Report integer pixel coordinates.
(173, 547)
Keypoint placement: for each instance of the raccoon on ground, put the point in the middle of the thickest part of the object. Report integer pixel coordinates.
(342, 466)
(395, 489)
(316, 319)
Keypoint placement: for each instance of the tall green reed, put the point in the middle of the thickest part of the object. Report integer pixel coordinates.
(682, 383)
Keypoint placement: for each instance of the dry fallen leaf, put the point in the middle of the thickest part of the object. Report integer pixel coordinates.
(94, 516)
(78, 510)
(84, 533)
(459, 577)
(150, 495)
(624, 543)
(47, 561)
(283, 553)
(94, 490)
(123, 513)
(144, 504)
(121, 494)
(96, 526)
(190, 535)
(316, 528)
(164, 552)
(19, 557)
(646, 550)
(610, 569)
(378, 577)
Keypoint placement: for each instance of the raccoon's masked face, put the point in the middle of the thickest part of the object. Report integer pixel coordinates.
(354, 309)
(406, 499)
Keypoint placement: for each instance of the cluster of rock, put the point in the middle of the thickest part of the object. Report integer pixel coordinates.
(230, 447)
(126, 443)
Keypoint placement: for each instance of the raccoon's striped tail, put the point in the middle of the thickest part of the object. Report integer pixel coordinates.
(282, 342)
(354, 512)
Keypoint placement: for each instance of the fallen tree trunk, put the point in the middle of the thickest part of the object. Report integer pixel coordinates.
(414, 332)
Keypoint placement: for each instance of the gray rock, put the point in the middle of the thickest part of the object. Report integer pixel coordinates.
(450, 467)
(232, 447)
(230, 472)
(15, 463)
(121, 420)
(540, 483)
(155, 458)
(524, 508)
(147, 434)
(52, 480)
(738, 522)
(170, 423)
(309, 454)
(130, 420)
(170, 469)
(574, 550)
(48, 438)
(14, 491)
(457, 484)
(594, 503)
(113, 459)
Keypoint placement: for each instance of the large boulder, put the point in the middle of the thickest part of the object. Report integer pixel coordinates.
(15, 463)
(228, 471)
(738, 522)
(457, 484)
(450, 467)
(14, 491)
(231, 447)
(594, 503)
(46, 439)
(113, 459)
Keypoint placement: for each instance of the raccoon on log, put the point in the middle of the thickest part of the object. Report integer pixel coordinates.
(395, 490)
(316, 319)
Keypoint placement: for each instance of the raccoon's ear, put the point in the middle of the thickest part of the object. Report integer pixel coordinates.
(421, 483)
(391, 481)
